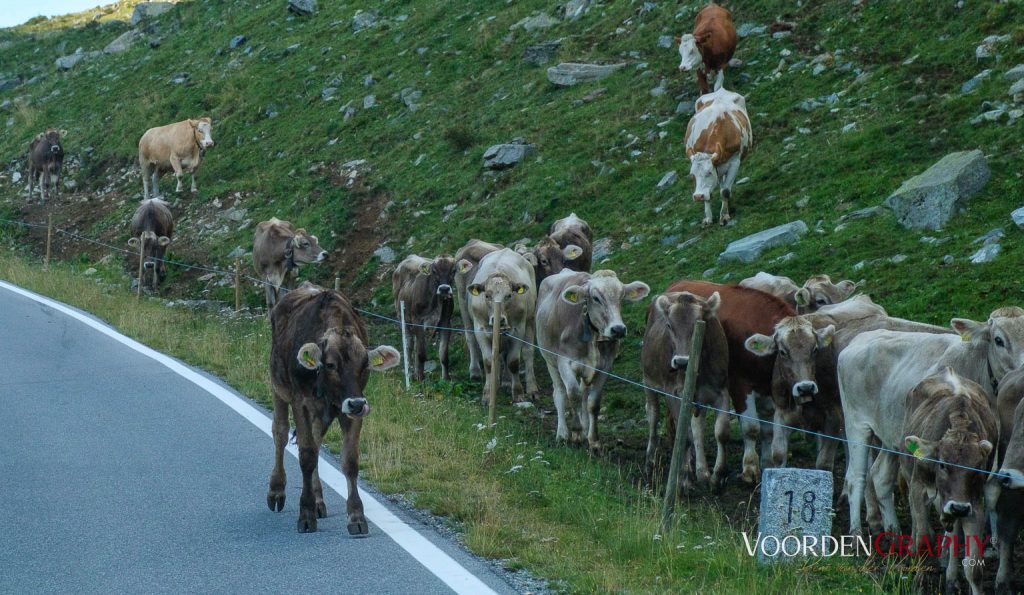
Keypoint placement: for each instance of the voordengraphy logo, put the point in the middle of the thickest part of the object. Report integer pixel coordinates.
(884, 545)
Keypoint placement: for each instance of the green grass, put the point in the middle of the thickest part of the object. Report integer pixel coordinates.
(476, 92)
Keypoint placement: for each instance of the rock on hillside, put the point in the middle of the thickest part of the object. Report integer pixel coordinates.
(929, 200)
(748, 249)
(568, 74)
(148, 10)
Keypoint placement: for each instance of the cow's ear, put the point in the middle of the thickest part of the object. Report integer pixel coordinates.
(846, 287)
(164, 240)
(760, 345)
(663, 303)
(309, 356)
(986, 448)
(572, 252)
(802, 296)
(193, 123)
(531, 258)
(464, 266)
(521, 249)
(967, 329)
(476, 289)
(572, 294)
(919, 447)
(425, 268)
(636, 291)
(133, 242)
(63, 132)
(714, 156)
(711, 306)
(825, 335)
(295, 241)
(384, 357)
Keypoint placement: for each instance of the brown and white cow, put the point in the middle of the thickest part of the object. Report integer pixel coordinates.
(152, 224)
(1010, 498)
(179, 147)
(579, 318)
(665, 357)
(710, 47)
(505, 277)
(278, 250)
(949, 419)
(320, 361)
(467, 259)
(718, 137)
(817, 291)
(45, 161)
(744, 312)
(426, 288)
(879, 368)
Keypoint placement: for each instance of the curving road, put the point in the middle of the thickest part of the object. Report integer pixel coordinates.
(123, 470)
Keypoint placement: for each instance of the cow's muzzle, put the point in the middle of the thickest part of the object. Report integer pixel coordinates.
(957, 510)
(699, 198)
(679, 362)
(355, 408)
(804, 391)
(444, 290)
(504, 322)
(207, 144)
(617, 331)
(1013, 479)
(684, 69)
(149, 264)
(55, 149)
(320, 257)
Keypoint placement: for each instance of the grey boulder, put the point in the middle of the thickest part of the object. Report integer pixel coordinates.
(123, 42)
(148, 10)
(568, 74)
(505, 156)
(929, 200)
(749, 249)
(303, 8)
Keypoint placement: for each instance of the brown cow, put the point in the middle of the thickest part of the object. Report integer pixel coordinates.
(278, 250)
(551, 258)
(949, 419)
(665, 356)
(45, 160)
(745, 312)
(1010, 500)
(710, 47)
(179, 147)
(472, 253)
(154, 225)
(426, 288)
(320, 361)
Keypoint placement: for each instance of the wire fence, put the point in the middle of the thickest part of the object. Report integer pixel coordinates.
(608, 373)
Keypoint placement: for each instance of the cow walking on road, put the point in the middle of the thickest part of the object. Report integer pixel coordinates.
(179, 147)
(426, 288)
(320, 361)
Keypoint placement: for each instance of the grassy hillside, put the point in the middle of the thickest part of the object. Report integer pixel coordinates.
(283, 140)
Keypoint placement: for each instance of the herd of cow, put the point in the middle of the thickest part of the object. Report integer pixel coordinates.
(779, 355)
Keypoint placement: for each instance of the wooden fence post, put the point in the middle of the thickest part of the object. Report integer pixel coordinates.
(682, 426)
(405, 340)
(238, 284)
(49, 240)
(495, 368)
(142, 261)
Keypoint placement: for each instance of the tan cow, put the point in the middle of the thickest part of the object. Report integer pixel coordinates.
(949, 419)
(278, 250)
(425, 286)
(179, 147)
(718, 137)
(1010, 498)
(573, 231)
(665, 358)
(467, 258)
(817, 291)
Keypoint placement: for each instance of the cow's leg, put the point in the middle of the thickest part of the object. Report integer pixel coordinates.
(750, 425)
(56, 183)
(594, 393)
(309, 452)
(827, 446)
(483, 341)
(574, 398)
(722, 437)
(706, 222)
(351, 428)
(512, 353)
(728, 178)
(720, 78)
(31, 181)
(765, 411)
(558, 395)
(856, 471)
(472, 346)
(780, 437)
(653, 408)
(442, 351)
(702, 80)
(1010, 519)
(276, 495)
(529, 355)
(194, 188)
(176, 166)
(155, 177)
(700, 461)
(974, 529)
(45, 183)
(918, 496)
(883, 475)
(420, 342)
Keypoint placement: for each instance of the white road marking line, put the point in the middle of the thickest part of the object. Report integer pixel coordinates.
(426, 553)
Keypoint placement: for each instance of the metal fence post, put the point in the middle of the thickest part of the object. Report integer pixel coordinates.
(405, 342)
(682, 426)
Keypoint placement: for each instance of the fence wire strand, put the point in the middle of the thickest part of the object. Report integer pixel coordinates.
(608, 373)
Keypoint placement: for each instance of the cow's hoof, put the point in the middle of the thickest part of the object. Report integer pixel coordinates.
(307, 521)
(724, 220)
(717, 483)
(321, 510)
(595, 449)
(275, 501)
(358, 528)
(749, 476)
(1003, 588)
(705, 223)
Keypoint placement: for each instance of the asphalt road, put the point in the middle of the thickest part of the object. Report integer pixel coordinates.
(124, 473)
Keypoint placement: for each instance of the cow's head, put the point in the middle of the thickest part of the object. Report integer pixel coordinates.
(959, 491)
(601, 296)
(441, 276)
(202, 129)
(341, 364)
(1013, 461)
(689, 53)
(1003, 334)
(498, 288)
(819, 291)
(702, 170)
(796, 344)
(153, 252)
(305, 248)
(679, 311)
(550, 258)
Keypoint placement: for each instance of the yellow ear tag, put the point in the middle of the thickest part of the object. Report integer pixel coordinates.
(965, 337)
(521, 290)
(573, 297)
(828, 341)
(308, 358)
(914, 449)
(378, 360)
(474, 291)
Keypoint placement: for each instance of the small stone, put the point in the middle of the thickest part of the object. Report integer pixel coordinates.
(369, 101)
(930, 199)
(708, 273)
(1017, 87)
(238, 252)
(236, 41)
(123, 42)
(898, 258)
(89, 271)
(748, 29)
(542, 52)
(15, 177)
(850, 127)
(1017, 215)
(602, 249)
(748, 249)
(364, 19)
(667, 180)
(536, 22)
(568, 74)
(987, 253)
(781, 34)
(971, 84)
(385, 254)
(574, 9)
(818, 69)
(180, 78)
(803, 202)
(947, 259)
(991, 237)
(148, 10)
(742, 181)
(685, 108)
(328, 93)
(665, 41)
(505, 156)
